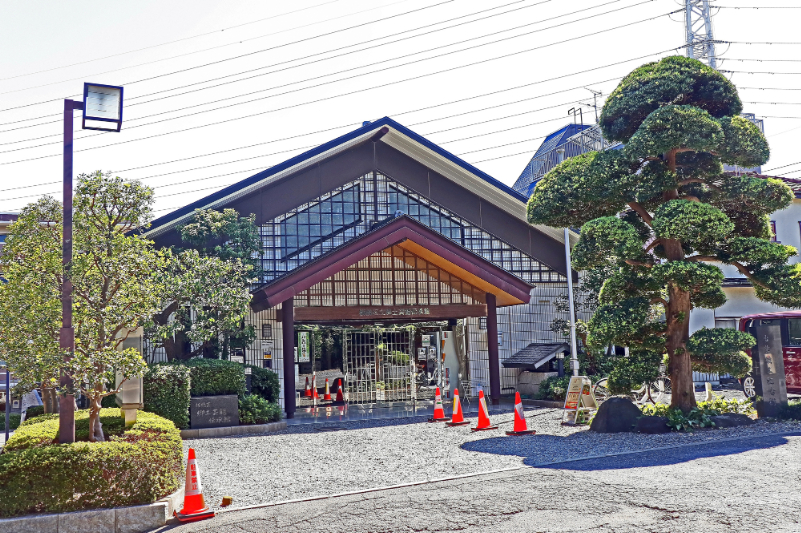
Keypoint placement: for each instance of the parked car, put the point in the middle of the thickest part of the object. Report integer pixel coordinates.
(790, 323)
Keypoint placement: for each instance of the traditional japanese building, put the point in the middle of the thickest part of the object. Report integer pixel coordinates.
(382, 227)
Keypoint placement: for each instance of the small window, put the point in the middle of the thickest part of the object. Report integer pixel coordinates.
(726, 323)
(773, 236)
(794, 328)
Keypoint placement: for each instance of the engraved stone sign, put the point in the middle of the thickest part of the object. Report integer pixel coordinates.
(213, 411)
(769, 375)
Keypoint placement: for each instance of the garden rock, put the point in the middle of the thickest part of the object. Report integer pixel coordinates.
(730, 420)
(616, 415)
(652, 425)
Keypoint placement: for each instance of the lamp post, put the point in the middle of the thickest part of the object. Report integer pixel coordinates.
(102, 110)
(574, 364)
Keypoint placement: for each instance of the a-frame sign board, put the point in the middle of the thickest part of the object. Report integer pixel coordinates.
(579, 401)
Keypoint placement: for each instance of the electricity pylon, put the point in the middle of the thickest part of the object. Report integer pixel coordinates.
(698, 24)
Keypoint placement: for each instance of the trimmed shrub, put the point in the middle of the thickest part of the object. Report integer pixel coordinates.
(553, 388)
(256, 410)
(166, 392)
(109, 401)
(13, 421)
(264, 383)
(34, 411)
(137, 465)
(211, 377)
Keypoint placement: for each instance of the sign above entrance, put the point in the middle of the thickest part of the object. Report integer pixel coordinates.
(395, 313)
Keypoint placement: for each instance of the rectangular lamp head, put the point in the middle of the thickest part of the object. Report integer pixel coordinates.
(102, 107)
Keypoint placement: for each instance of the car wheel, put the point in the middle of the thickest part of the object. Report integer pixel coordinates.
(749, 386)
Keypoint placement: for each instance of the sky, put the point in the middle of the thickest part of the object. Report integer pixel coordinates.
(217, 91)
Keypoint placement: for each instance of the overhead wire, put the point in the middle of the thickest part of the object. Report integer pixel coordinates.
(228, 98)
(357, 91)
(241, 41)
(183, 39)
(336, 81)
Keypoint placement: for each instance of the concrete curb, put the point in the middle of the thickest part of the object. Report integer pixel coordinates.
(255, 429)
(136, 519)
(544, 403)
(497, 471)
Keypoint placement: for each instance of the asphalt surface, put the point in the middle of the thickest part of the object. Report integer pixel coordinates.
(743, 484)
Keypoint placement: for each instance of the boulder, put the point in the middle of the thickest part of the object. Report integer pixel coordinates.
(616, 415)
(730, 420)
(652, 425)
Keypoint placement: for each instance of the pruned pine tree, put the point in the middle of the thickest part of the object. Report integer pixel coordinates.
(662, 212)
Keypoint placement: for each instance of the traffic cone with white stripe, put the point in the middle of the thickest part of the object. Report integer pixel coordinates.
(439, 412)
(483, 415)
(314, 387)
(457, 418)
(308, 388)
(327, 391)
(520, 427)
(194, 504)
(340, 397)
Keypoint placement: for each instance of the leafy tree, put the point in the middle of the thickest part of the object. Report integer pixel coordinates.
(208, 287)
(660, 210)
(114, 288)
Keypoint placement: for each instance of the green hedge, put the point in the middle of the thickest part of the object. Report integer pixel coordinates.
(135, 466)
(34, 411)
(256, 410)
(166, 392)
(13, 421)
(553, 388)
(264, 383)
(211, 377)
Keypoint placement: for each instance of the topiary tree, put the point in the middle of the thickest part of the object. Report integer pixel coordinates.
(660, 210)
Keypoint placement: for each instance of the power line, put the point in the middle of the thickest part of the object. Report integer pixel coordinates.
(301, 58)
(784, 166)
(245, 40)
(336, 81)
(312, 55)
(172, 42)
(228, 98)
(760, 72)
(360, 91)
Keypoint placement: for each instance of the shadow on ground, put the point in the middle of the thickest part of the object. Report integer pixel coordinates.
(565, 453)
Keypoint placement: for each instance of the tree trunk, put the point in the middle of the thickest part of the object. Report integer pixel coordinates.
(95, 427)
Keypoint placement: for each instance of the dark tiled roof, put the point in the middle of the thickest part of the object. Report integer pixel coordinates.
(551, 142)
(367, 127)
(535, 355)
(736, 282)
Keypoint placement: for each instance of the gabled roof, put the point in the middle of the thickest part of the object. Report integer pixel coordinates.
(418, 239)
(533, 356)
(391, 132)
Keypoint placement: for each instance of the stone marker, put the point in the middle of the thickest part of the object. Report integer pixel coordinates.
(730, 420)
(652, 425)
(616, 415)
(213, 411)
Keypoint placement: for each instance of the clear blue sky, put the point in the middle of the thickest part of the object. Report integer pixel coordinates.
(49, 48)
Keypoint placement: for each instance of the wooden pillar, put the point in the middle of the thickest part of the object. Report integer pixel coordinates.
(492, 348)
(288, 328)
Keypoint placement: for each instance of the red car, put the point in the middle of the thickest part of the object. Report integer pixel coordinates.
(790, 323)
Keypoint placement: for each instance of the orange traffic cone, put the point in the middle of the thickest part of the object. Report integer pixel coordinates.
(327, 391)
(314, 387)
(483, 415)
(457, 419)
(340, 397)
(308, 388)
(520, 428)
(439, 412)
(194, 504)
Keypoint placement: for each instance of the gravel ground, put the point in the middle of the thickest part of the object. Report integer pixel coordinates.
(302, 461)
(721, 487)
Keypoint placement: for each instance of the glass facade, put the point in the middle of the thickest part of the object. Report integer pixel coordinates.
(314, 228)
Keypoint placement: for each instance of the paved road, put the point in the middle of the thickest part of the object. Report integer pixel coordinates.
(750, 484)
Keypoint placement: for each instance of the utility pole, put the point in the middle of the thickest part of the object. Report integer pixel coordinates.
(595, 95)
(698, 26)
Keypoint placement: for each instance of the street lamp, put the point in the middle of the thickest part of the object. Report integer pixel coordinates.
(102, 110)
